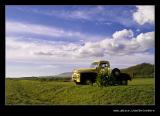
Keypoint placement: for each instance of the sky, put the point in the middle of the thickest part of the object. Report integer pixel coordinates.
(44, 40)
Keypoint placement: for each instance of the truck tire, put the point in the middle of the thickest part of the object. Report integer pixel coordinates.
(89, 82)
(124, 82)
(115, 72)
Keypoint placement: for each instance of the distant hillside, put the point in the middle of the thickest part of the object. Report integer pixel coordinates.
(66, 74)
(140, 70)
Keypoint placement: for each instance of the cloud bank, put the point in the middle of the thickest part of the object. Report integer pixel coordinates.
(144, 14)
(122, 42)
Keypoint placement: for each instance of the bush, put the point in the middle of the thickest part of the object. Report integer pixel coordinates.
(101, 79)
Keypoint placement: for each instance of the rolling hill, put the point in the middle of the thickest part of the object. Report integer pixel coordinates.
(64, 75)
(140, 70)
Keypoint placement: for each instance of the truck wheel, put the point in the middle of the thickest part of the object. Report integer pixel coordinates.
(115, 72)
(89, 82)
(124, 82)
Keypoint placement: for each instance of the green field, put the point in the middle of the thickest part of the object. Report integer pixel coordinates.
(140, 91)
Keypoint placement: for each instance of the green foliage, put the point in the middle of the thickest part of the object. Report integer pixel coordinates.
(103, 79)
(43, 79)
(54, 79)
(140, 91)
(99, 80)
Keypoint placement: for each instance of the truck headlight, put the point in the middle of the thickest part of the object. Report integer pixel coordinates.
(78, 75)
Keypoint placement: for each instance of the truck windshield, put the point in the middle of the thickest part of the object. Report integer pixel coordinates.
(104, 65)
(94, 65)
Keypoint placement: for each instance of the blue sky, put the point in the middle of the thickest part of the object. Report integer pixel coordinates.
(51, 39)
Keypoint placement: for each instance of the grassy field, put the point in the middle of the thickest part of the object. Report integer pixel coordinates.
(140, 91)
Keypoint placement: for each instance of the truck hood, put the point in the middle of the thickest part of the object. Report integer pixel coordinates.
(85, 70)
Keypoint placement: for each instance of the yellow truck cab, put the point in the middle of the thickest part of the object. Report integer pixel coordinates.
(88, 75)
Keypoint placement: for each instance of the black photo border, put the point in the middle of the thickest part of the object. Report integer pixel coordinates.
(80, 108)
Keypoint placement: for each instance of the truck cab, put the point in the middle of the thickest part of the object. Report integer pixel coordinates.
(88, 75)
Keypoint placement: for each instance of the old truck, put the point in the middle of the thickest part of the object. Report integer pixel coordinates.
(89, 75)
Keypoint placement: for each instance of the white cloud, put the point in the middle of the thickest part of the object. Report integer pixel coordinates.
(32, 50)
(123, 34)
(79, 15)
(96, 13)
(83, 13)
(90, 50)
(108, 46)
(146, 40)
(27, 28)
(144, 14)
(38, 29)
(119, 47)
